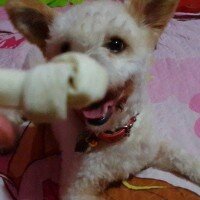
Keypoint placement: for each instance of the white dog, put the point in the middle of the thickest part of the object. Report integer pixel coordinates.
(119, 138)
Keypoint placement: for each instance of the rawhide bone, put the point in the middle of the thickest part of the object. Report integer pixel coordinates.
(45, 92)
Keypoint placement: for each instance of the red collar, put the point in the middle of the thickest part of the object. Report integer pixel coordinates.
(118, 134)
(88, 141)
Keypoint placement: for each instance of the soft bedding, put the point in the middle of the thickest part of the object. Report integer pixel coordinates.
(32, 171)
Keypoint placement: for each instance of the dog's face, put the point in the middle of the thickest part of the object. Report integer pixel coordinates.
(120, 36)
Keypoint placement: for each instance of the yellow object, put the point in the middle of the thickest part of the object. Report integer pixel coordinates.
(133, 187)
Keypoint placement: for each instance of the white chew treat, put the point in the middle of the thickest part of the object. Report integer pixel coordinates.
(88, 82)
(71, 79)
(44, 92)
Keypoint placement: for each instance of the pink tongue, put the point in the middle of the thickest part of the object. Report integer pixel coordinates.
(98, 112)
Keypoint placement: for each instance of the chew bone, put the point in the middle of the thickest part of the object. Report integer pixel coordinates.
(44, 92)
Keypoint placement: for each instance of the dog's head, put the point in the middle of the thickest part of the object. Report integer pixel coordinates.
(120, 36)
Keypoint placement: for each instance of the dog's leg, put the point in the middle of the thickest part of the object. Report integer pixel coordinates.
(178, 160)
(98, 169)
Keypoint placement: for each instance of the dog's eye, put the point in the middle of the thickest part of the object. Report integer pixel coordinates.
(65, 47)
(116, 45)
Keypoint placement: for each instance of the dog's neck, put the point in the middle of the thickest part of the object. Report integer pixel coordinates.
(89, 141)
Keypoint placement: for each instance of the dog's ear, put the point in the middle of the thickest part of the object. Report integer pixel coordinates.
(32, 19)
(152, 13)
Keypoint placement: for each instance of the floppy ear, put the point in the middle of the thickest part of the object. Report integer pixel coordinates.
(152, 13)
(32, 19)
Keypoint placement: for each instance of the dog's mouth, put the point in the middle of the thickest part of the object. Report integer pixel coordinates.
(100, 112)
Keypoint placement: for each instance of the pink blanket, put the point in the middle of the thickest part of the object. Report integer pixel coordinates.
(174, 90)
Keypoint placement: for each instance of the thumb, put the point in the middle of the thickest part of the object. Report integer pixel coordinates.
(7, 133)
